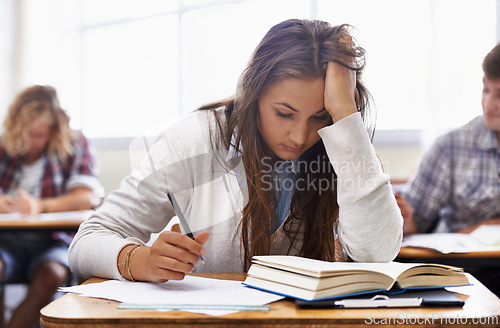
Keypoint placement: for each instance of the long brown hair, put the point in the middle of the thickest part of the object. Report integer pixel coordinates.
(291, 49)
(37, 102)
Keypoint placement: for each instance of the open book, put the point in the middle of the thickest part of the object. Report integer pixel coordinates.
(310, 279)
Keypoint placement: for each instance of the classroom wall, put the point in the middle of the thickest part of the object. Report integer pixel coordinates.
(400, 162)
(114, 165)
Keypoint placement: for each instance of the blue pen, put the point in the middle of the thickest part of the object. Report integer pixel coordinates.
(182, 219)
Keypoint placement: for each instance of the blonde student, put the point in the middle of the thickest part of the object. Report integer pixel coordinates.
(44, 167)
(285, 166)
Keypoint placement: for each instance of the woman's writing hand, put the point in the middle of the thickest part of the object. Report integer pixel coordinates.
(173, 255)
(340, 87)
(7, 204)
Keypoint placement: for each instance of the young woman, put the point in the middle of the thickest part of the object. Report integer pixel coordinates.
(44, 167)
(284, 167)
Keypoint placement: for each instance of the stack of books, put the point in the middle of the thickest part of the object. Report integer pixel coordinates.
(309, 279)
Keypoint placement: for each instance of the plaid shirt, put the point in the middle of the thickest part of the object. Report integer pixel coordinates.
(58, 177)
(458, 180)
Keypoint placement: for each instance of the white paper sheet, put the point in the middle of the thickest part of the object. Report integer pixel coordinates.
(453, 242)
(54, 216)
(191, 290)
(488, 234)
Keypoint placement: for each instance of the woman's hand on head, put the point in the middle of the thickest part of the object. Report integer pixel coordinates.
(173, 255)
(340, 88)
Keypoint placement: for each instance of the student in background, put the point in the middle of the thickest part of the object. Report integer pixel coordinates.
(44, 167)
(284, 167)
(458, 179)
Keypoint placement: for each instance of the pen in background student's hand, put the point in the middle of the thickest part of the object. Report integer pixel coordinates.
(182, 219)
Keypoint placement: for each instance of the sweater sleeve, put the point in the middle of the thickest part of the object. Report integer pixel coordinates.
(132, 213)
(370, 224)
(176, 162)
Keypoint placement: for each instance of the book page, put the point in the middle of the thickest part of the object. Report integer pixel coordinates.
(312, 283)
(319, 268)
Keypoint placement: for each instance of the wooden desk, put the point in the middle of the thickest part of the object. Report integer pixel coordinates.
(72, 310)
(51, 221)
(63, 221)
(418, 254)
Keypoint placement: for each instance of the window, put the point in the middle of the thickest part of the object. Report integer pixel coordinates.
(123, 66)
(423, 57)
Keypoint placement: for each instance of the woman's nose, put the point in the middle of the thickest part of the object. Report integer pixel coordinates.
(299, 133)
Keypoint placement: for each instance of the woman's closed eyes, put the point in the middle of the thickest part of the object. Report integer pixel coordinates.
(318, 118)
